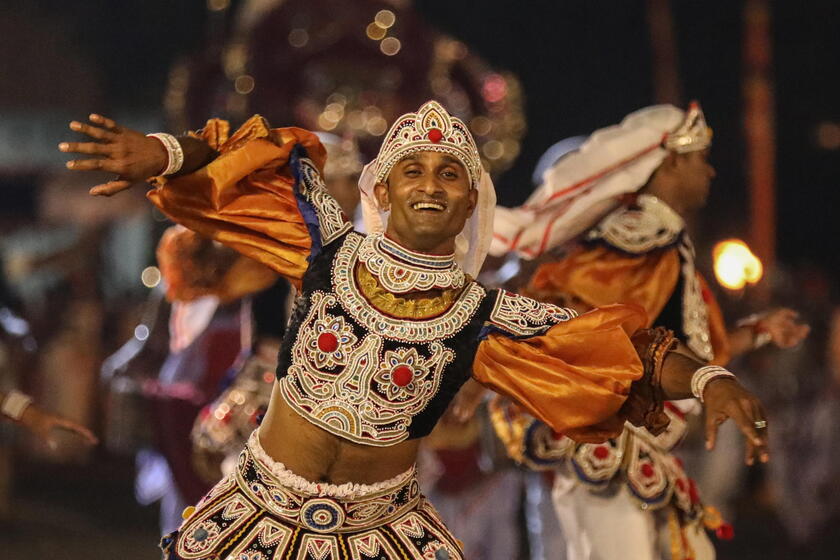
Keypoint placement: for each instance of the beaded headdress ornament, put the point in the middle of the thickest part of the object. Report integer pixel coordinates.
(433, 129)
(693, 134)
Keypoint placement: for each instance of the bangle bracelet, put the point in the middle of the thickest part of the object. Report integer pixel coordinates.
(174, 152)
(15, 404)
(701, 378)
(760, 336)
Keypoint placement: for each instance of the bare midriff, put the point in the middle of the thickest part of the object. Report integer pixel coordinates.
(319, 456)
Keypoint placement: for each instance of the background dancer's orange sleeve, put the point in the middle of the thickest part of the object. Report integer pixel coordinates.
(600, 276)
(245, 197)
(575, 377)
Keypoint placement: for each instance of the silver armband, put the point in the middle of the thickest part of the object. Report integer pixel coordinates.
(174, 152)
(703, 376)
(15, 404)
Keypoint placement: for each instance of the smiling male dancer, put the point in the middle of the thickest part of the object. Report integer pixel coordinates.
(386, 328)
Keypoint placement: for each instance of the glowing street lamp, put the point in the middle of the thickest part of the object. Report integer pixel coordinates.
(735, 265)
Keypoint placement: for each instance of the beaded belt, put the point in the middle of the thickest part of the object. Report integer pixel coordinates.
(321, 511)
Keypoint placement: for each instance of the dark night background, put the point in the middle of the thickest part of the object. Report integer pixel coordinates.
(583, 65)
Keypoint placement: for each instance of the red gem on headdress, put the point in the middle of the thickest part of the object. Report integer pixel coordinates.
(435, 135)
(327, 342)
(402, 376)
(647, 470)
(601, 452)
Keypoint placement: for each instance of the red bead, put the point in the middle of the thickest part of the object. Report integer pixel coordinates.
(725, 532)
(402, 376)
(327, 342)
(435, 135)
(601, 452)
(557, 436)
(647, 470)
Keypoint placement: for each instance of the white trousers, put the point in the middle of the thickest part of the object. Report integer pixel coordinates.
(614, 527)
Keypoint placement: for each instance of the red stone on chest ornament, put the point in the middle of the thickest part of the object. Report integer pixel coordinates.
(327, 342)
(402, 376)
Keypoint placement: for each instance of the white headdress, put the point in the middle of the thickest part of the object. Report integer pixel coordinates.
(432, 128)
(585, 185)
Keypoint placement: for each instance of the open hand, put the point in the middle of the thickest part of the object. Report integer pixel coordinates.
(43, 424)
(130, 154)
(783, 328)
(466, 402)
(725, 398)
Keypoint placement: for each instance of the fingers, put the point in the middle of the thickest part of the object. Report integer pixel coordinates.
(99, 164)
(85, 148)
(110, 188)
(83, 432)
(467, 401)
(712, 422)
(92, 131)
(745, 418)
(104, 122)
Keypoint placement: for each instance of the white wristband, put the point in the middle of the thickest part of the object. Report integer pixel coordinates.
(703, 376)
(174, 152)
(15, 404)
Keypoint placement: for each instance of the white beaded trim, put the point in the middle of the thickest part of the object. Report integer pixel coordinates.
(703, 376)
(348, 490)
(174, 152)
(15, 404)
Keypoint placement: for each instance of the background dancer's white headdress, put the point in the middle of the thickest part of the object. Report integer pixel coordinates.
(585, 185)
(432, 128)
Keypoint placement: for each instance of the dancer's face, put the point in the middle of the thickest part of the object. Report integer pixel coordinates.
(430, 199)
(695, 177)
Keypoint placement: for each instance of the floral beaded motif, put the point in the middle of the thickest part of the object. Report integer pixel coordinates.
(331, 220)
(367, 395)
(522, 316)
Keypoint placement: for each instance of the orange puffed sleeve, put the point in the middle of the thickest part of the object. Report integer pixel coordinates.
(574, 377)
(195, 266)
(245, 197)
(599, 275)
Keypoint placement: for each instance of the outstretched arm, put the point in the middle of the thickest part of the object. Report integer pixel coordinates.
(257, 190)
(723, 398)
(19, 408)
(780, 327)
(133, 156)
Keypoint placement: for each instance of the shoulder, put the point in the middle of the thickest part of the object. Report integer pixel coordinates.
(519, 316)
(647, 225)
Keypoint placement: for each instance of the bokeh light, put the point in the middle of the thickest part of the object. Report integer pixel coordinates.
(150, 276)
(736, 265)
(390, 46)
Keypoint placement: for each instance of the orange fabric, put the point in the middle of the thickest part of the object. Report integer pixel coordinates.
(600, 276)
(244, 198)
(194, 266)
(575, 377)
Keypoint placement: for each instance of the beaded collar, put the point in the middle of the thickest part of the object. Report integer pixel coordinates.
(401, 271)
